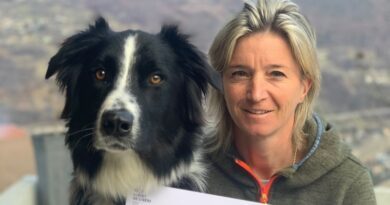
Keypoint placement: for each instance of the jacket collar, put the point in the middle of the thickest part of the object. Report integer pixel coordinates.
(326, 152)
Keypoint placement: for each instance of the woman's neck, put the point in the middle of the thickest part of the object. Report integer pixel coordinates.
(266, 155)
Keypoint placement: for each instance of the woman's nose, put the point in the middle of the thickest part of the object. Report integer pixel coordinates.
(257, 90)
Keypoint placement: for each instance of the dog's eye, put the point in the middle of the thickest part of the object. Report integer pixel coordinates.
(155, 79)
(100, 74)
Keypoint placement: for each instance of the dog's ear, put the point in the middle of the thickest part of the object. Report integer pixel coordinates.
(197, 70)
(70, 58)
(73, 47)
(192, 60)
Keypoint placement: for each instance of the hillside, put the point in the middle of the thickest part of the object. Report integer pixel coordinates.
(351, 23)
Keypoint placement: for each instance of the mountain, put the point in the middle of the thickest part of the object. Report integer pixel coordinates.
(351, 23)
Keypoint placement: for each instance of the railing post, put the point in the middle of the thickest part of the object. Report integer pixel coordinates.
(53, 166)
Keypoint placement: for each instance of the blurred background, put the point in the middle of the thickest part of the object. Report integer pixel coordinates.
(353, 47)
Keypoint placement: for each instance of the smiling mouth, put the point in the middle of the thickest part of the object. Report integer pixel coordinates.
(257, 112)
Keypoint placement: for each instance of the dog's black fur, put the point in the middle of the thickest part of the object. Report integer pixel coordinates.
(125, 131)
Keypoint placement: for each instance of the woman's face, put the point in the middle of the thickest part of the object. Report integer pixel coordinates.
(263, 86)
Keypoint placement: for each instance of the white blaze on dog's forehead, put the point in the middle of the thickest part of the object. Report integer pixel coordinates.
(128, 60)
(121, 97)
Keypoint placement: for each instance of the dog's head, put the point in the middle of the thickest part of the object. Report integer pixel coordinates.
(124, 85)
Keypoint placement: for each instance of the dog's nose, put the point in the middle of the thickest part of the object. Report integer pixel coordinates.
(117, 123)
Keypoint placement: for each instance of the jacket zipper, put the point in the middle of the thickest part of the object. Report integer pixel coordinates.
(264, 188)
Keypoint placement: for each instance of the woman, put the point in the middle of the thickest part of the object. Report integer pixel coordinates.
(268, 145)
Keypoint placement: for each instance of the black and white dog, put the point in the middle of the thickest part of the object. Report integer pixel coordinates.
(133, 110)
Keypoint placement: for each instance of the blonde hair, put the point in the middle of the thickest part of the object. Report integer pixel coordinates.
(284, 18)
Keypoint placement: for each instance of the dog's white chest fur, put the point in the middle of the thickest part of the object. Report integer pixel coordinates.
(121, 173)
(124, 172)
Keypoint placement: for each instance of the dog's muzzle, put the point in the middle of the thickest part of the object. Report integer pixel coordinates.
(117, 123)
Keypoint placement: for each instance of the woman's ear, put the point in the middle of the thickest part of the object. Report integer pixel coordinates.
(306, 84)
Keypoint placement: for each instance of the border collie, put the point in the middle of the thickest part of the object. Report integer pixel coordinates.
(133, 107)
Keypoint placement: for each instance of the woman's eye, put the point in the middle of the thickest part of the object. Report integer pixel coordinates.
(277, 74)
(240, 74)
(155, 79)
(100, 74)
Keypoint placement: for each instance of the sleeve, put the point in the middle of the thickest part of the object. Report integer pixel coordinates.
(361, 192)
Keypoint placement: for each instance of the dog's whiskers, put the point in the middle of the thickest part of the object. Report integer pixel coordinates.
(81, 130)
(83, 137)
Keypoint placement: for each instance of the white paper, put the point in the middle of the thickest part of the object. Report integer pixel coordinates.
(173, 196)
